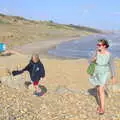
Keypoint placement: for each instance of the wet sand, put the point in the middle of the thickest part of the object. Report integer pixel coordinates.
(42, 47)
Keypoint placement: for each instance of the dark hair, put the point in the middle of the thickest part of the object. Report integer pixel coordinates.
(104, 42)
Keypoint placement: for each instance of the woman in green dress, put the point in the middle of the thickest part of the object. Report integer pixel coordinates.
(104, 71)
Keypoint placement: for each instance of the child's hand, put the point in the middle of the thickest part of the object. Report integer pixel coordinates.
(42, 78)
(93, 60)
(15, 72)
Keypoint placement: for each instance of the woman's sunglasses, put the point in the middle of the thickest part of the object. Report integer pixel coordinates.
(99, 45)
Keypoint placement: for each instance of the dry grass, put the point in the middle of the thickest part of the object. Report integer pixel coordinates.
(18, 31)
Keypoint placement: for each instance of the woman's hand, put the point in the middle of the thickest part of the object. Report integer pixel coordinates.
(93, 59)
(113, 80)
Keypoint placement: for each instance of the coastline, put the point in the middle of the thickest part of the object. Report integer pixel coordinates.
(42, 47)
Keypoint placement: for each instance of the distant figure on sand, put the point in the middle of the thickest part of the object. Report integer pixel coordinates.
(36, 71)
(2, 47)
(104, 70)
(5, 52)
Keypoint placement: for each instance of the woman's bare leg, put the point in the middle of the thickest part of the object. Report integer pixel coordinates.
(101, 95)
(98, 98)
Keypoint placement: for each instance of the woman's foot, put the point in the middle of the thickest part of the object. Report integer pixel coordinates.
(98, 109)
(101, 111)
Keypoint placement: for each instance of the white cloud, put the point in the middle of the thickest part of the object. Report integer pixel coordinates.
(85, 11)
(5, 11)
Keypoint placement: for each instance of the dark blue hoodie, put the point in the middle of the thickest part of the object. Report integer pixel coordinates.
(36, 70)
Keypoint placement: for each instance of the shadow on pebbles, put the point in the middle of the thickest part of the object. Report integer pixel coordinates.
(18, 103)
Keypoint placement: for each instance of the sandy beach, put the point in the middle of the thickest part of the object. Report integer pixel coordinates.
(65, 35)
(67, 95)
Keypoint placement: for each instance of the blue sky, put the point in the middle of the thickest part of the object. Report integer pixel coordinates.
(102, 14)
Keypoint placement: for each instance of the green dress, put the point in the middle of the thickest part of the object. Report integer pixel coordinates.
(103, 71)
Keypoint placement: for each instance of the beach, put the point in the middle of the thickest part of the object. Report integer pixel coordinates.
(65, 35)
(67, 93)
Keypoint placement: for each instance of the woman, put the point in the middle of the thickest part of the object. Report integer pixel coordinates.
(104, 70)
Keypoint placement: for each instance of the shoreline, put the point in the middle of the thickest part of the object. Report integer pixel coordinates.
(43, 46)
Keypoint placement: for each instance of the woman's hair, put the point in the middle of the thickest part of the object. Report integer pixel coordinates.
(104, 42)
(36, 57)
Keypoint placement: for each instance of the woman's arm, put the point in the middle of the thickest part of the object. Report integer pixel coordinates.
(112, 68)
(93, 58)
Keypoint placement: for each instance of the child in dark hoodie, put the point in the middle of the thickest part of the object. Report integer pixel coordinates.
(36, 71)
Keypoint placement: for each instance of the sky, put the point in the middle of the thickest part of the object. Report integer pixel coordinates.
(100, 14)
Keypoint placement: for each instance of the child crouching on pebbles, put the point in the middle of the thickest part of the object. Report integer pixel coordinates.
(36, 71)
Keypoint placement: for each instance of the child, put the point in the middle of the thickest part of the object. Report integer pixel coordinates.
(36, 71)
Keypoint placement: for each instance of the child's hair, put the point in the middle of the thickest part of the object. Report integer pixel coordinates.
(36, 57)
(104, 42)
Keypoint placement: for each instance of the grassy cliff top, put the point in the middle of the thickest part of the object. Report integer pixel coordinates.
(15, 30)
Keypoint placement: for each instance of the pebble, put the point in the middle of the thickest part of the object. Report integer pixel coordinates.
(64, 105)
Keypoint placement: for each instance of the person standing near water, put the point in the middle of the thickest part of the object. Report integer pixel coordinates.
(104, 70)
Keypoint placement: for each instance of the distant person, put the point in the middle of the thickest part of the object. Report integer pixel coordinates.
(104, 70)
(4, 51)
(36, 71)
(2, 47)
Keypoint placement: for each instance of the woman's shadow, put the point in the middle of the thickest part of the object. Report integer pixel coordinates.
(42, 87)
(93, 92)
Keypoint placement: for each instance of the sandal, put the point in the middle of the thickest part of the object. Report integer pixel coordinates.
(38, 93)
(101, 112)
(98, 109)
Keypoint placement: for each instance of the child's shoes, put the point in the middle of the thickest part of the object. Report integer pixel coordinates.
(38, 93)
